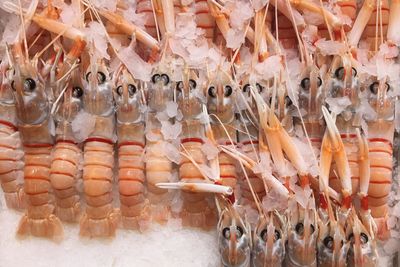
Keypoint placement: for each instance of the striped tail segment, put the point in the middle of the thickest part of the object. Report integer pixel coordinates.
(134, 205)
(11, 165)
(39, 219)
(197, 210)
(100, 218)
(381, 163)
(158, 170)
(64, 174)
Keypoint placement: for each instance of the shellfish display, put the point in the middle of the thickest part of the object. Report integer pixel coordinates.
(244, 132)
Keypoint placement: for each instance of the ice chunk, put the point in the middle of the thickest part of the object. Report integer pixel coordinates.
(329, 48)
(96, 36)
(170, 131)
(132, 60)
(209, 149)
(171, 109)
(172, 152)
(83, 125)
(338, 104)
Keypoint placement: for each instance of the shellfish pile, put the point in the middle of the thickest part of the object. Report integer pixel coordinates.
(272, 122)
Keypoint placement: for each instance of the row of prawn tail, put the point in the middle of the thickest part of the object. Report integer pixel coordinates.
(100, 227)
(47, 226)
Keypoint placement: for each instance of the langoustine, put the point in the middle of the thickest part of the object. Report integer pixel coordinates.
(131, 144)
(11, 175)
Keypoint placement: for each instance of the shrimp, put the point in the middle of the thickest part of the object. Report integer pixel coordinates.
(380, 143)
(100, 218)
(11, 168)
(66, 155)
(34, 123)
(197, 210)
(220, 100)
(131, 144)
(302, 234)
(158, 166)
(234, 238)
(248, 136)
(269, 239)
(362, 250)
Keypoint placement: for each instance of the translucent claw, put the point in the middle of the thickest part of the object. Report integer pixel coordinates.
(364, 165)
(129, 28)
(198, 187)
(340, 157)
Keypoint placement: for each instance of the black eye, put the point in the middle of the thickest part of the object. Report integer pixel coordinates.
(13, 85)
(387, 87)
(264, 235)
(374, 87)
(246, 88)
(339, 73)
(354, 71)
(226, 232)
(288, 101)
(363, 238)
(228, 91)
(239, 231)
(101, 77)
(319, 83)
(299, 228)
(305, 83)
(77, 92)
(29, 85)
(165, 78)
(155, 78)
(312, 228)
(192, 84)
(212, 92)
(277, 235)
(179, 86)
(131, 89)
(119, 90)
(259, 87)
(328, 242)
(87, 76)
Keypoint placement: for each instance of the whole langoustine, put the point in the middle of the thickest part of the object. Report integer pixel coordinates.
(131, 144)
(66, 156)
(100, 218)
(34, 123)
(198, 209)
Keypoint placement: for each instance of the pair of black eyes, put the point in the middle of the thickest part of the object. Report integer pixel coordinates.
(160, 77)
(246, 88)
(192, 85)
(101, 77)
(264, 235)
(226, 232)
(29, 85)
(339, 73)
(374, 87)
(131, 90)
(212, 91)
(300, 228)
(363, 238)
(305, 83)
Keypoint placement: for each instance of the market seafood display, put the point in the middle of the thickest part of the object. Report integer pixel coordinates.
(272, 123)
